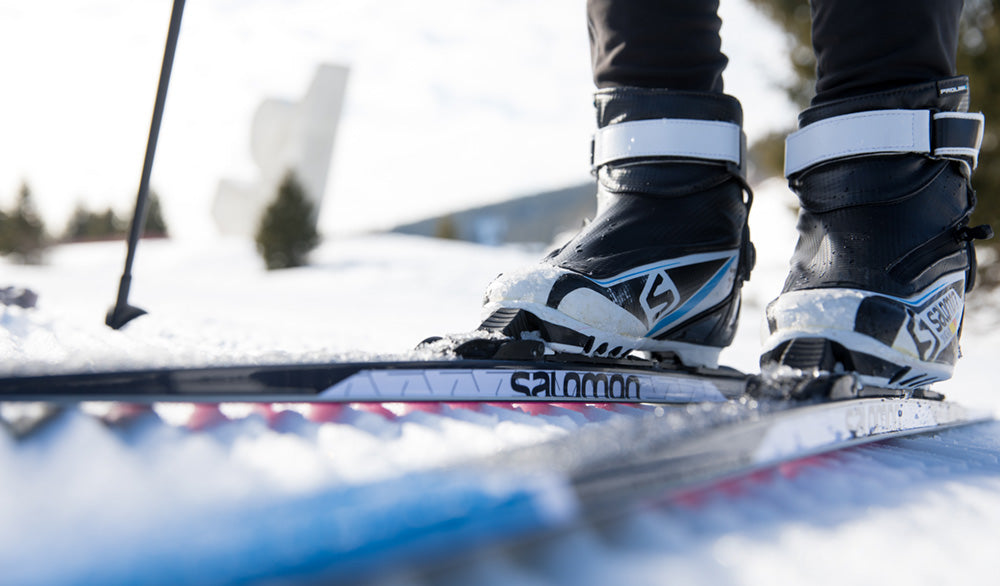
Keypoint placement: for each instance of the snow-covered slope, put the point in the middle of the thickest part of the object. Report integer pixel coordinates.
(187, 492)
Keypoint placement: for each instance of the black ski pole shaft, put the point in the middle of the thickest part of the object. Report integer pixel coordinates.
(122, 313)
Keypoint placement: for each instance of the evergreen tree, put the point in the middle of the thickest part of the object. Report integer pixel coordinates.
(977, 56)
(287, 230)
(6, 236)
(24, 232)
(156, 226)
(78, 224)
(107, 225)
(447, 228)
(85, 225)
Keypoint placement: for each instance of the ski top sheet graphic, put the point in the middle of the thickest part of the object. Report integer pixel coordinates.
(455, 380)
(528, 383)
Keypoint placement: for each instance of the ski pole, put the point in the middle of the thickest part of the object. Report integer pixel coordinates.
(122, 313)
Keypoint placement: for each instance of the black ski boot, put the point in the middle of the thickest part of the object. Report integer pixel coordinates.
(885, 255)
(660, 267)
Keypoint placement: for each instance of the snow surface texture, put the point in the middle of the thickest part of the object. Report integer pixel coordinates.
(200, 494)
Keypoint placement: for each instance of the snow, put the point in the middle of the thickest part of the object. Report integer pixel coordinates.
(189, 494)
(155, 485)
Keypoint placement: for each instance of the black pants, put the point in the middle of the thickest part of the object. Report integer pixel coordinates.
(861, 46)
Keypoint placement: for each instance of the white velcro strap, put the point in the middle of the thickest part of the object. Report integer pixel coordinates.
(668, 137)
(884, 132)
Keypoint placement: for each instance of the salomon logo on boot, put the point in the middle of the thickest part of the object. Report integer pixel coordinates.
(684, 306)
(888, 341)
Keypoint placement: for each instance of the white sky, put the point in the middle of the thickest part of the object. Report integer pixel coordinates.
(450, 103)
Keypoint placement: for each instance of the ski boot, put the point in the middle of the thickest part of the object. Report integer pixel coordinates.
(885, 257)
(660, 267)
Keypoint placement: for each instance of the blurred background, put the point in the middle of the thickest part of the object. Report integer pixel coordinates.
(448, 105)
(443, 108)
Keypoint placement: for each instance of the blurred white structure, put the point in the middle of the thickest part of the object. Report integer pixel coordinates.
(285, 136)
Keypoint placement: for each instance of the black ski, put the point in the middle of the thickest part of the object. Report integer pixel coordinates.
(551, 379)
(482, 370)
